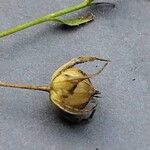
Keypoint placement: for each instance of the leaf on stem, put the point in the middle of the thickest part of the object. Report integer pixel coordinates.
(88, 1)
(75, 21)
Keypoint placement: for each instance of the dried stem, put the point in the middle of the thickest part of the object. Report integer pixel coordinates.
(25, 86)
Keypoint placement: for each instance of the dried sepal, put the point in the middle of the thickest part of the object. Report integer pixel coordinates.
(75, 61)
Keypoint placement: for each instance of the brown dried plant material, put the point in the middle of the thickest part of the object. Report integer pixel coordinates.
(70, 88)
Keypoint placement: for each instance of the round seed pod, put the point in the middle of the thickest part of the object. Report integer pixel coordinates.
(70, 89)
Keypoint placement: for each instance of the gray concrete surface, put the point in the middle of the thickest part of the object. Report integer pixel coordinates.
(122, 120)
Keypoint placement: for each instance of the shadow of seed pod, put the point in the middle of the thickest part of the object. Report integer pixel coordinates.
(70, 89)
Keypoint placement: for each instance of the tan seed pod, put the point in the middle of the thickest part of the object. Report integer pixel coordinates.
(70, 89)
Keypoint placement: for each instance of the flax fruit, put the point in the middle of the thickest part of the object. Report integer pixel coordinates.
(70, 89)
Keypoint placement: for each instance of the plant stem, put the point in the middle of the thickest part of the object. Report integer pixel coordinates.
(25, 86)
(48, 17)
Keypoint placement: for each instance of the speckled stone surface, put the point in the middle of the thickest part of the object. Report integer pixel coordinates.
(122, 120)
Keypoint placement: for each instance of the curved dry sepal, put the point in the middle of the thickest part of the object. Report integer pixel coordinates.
(88, 109)
(76, 61)
(75, 21)
(79, 115)
(87, 76)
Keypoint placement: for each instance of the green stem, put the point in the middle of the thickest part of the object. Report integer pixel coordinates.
(48, 17)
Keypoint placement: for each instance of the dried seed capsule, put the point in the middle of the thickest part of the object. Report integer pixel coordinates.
(70, 89)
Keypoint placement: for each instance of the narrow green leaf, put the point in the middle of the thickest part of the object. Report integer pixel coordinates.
(75, 21)
(89, 1)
